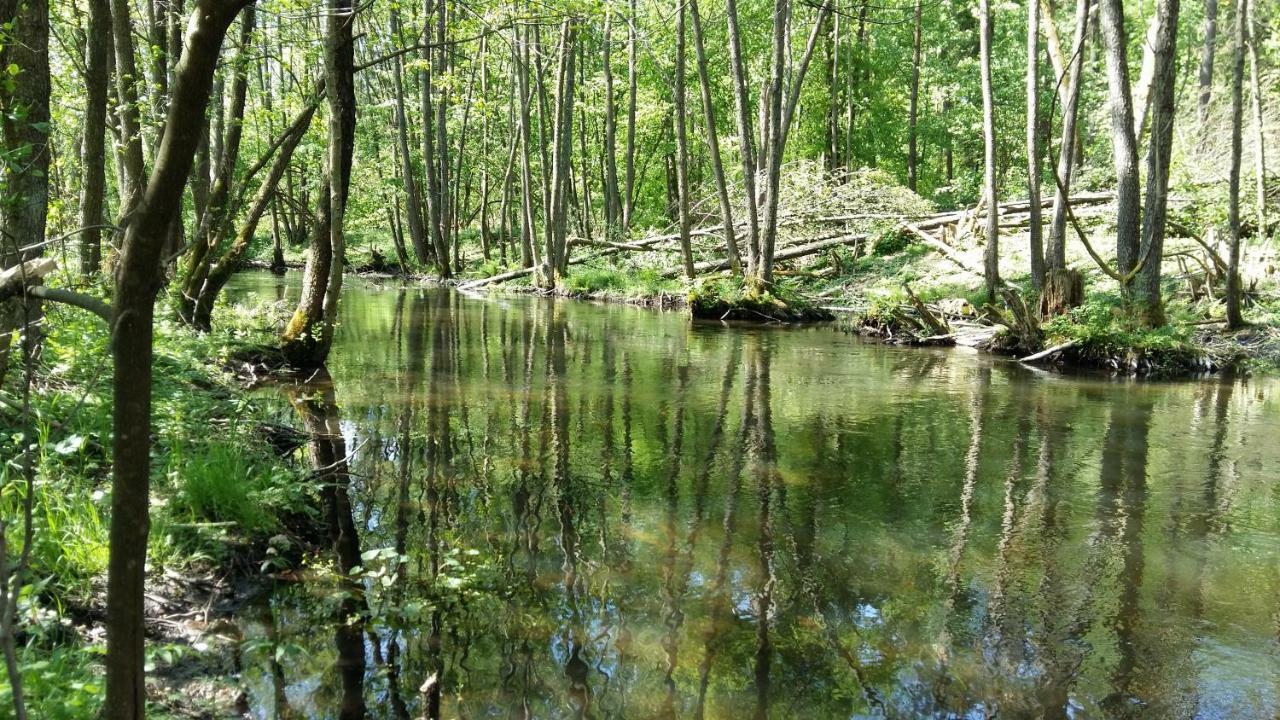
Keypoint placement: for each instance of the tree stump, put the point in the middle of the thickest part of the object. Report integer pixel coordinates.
(1063, 290)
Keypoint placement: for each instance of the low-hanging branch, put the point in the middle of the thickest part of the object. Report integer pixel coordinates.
(26, 278)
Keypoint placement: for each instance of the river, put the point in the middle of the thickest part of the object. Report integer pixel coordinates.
(563, 509)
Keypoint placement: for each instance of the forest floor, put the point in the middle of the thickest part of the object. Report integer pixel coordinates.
(229, 502)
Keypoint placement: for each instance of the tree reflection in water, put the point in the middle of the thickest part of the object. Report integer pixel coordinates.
(572, 511)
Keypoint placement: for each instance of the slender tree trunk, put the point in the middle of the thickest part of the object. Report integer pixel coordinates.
(682, 142)
(1163, 98)
(1259, 136)
(1124, 144)
(773, 142)
(443, 183)
(417, 233)
(991, 256)
(612, 200)
(1235, 318)
(528, 257)
(93, 148)
(633, 80)
(742, 106)
(430, 162)
(213, 222)
(127, 110)
(1056, 251)
(1206, 59)
(309, 334)
(913, 101)
(137, 282)
(1035, 221)
(1142, 91)
(713, 142)
(562, 145)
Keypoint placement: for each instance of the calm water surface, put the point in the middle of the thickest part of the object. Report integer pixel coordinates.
(557, 509)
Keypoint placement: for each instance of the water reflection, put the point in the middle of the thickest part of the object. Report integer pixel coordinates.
(578, 511)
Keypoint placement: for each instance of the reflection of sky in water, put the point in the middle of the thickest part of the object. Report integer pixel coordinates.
(1114, 550)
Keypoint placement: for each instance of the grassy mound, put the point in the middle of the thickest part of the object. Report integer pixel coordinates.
(736, 299)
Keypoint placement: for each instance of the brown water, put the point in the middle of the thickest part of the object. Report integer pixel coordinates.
(564, 509)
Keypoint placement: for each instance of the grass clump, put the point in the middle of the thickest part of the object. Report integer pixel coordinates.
(738, 299)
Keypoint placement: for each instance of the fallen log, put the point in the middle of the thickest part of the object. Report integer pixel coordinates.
(1048, 351)
(25, 279)
(790, 253)
(30, 272)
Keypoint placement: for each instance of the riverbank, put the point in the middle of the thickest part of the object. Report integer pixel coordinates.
(907, 292)
(228, 502)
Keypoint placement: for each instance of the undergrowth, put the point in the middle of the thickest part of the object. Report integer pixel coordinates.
(216, 487)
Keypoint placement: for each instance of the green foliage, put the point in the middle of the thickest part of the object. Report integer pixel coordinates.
(1107, 334)
(619, 283)
(221, 482)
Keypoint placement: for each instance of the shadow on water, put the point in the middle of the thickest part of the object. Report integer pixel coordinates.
(550, 509)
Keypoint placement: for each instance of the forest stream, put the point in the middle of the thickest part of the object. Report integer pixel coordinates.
(549, 508)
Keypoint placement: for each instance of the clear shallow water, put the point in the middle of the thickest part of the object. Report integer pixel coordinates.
(569, 510)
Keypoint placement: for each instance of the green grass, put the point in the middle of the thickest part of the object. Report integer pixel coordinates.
(217, 486)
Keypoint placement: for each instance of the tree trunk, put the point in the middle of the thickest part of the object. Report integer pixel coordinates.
(682, 142)
(213, 222)
(138, 279)
(763, 271)
(1124, 145)
(528, 255)
(1035, 222)
(991, 256)
(913, 101)
(93, 147)
(417, 233)
(742, 106)
(220, 271)
(713, 142)
(1163, 98)
(309, 334)
(130, 142)
(612, 200)
(1056, 251)
(1142, 91)
(1259, 134)
(24, 168)
(633, 75)
(557, 259)
(1206, 59)
(1235, 318)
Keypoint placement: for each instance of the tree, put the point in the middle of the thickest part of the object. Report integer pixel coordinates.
(682, 141)
(713, 143)
(1235, 318)
(914, 101)
(24, 164)
(93, 150)
(1035, 223)
(309, 334)
(1163, 98)
(1123, 143)
(138, 280)
(1206, 58)
(991, 255)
